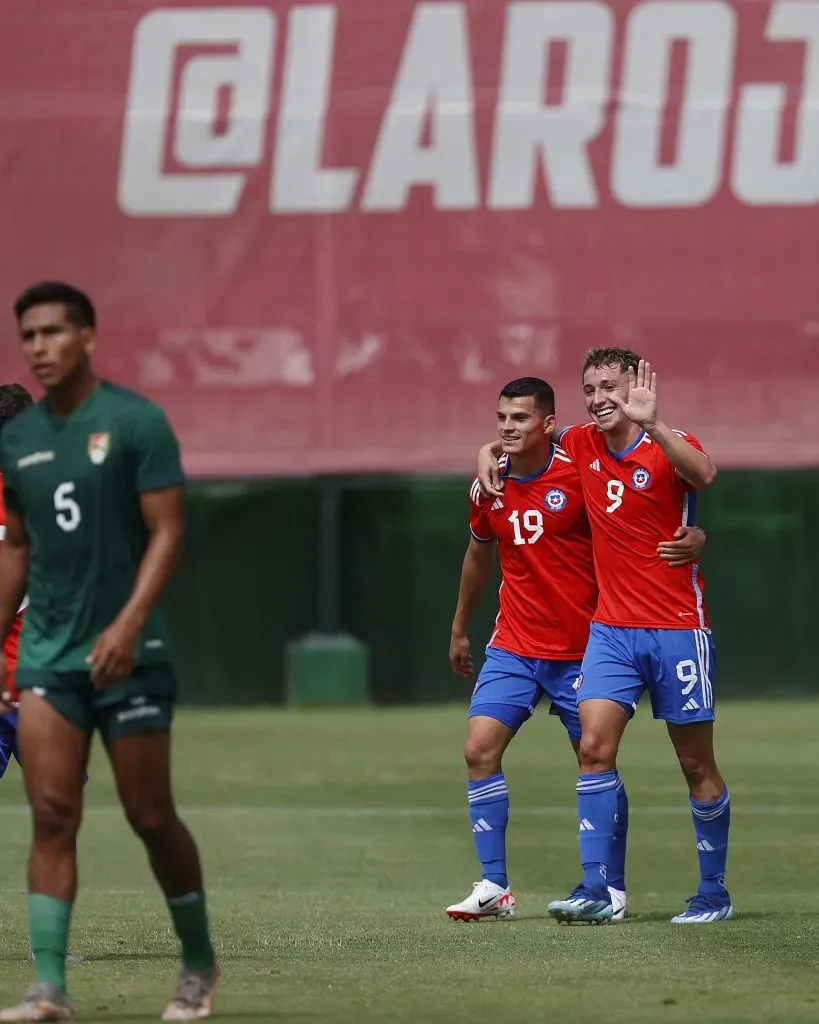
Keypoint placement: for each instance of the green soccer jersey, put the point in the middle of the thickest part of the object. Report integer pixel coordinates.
(76, 483)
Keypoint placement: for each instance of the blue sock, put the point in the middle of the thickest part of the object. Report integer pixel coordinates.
(489, 814)
(617, 854)
(596, 809)
(711, 824)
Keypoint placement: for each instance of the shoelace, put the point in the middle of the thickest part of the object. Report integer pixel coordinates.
(703, 901)
(580, 892)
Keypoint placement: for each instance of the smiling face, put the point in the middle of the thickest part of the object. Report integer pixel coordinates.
(522, 427)
(599, 384)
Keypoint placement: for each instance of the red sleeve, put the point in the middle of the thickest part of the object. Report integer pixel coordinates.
(691, 440)
(480, 524)
(567, 439)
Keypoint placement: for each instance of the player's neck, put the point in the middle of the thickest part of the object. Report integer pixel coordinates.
(528, 463)
(71, 393)
(618, 440)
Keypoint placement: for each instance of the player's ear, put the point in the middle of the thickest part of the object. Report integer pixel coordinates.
(89, 340)
(549, 423)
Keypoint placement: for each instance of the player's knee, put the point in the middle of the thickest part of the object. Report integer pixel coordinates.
(151, 821)
(597, 752)
(55, 818)
(482, 756)
(697, 769)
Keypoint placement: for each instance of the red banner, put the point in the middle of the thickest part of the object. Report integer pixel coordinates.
(323, 235)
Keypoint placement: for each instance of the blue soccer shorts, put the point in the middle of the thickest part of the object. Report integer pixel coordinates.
(510, 687)
(676, 666)
(8, 741)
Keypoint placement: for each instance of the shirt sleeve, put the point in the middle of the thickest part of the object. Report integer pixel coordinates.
(567, 439)
(158, 463)
(691, 440)
(480, 525)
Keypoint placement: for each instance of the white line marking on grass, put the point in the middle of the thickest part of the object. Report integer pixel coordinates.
(282, 810)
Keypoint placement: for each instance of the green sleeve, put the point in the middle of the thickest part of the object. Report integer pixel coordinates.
(158, 462)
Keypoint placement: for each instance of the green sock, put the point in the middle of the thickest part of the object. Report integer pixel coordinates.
(190, 919)
(48, 921)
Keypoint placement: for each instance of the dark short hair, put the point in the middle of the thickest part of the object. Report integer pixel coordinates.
(531, 387)
(622, 357)
(13, 399)
(78, 306)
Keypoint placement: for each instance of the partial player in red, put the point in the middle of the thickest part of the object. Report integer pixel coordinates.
(547, 598)
(650, 632)
(13, 399)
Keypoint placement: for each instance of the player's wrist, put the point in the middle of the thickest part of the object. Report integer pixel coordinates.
(655, 429)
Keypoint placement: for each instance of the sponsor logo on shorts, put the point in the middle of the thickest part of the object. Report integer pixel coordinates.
(641, 478)
(555, 500)
(578, 682)
(142, 711)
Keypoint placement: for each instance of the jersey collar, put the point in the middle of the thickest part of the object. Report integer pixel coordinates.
(533, 476)
(627, 451)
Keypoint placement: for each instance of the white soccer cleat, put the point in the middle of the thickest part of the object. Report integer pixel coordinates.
(619, 904)
(193, 999)
(486, 900)
(43, 1003)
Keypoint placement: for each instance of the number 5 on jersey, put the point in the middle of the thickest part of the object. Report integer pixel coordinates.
(68, 511)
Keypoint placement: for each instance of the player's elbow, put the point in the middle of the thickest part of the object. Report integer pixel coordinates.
(708, 474)
(702, 475)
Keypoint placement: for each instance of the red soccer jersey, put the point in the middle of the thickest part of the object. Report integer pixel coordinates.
(635, 499)
(548, 593)
(12, 643)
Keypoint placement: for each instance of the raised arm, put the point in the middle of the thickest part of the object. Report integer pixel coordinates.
(692, 465)
(475, 575)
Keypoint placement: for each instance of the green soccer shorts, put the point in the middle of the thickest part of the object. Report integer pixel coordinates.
(142, 703)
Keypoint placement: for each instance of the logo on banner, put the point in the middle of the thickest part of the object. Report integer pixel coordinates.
(193, 154)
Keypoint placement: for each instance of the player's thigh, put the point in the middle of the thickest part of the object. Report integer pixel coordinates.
(683, 669)
(134, 718)
(559, 681)
(53, 753)
(609, 671)
(507, 689)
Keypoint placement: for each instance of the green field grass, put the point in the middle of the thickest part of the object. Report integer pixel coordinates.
(333, 840)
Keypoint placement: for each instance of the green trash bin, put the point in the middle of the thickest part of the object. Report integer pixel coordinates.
(327, 668)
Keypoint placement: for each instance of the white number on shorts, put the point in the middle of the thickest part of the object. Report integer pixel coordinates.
(687, 673)
(614, 489)
(532, 523)
(68, 511)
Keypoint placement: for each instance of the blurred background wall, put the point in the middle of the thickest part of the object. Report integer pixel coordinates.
(324, 235)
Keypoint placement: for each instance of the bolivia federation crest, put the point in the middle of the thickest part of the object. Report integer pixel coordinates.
(98, 447)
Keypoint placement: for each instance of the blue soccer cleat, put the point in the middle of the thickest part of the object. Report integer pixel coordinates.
(706, 908)
(582, 906)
